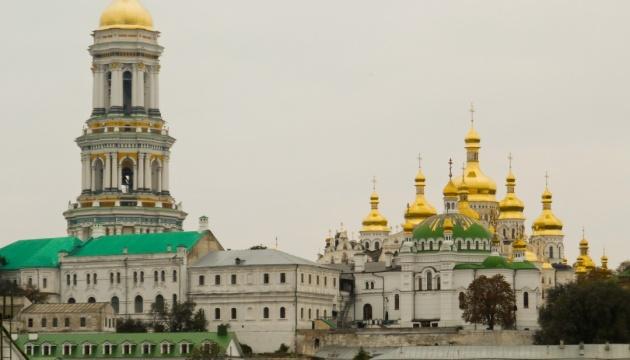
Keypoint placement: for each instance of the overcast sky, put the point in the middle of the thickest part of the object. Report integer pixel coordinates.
(284, 110)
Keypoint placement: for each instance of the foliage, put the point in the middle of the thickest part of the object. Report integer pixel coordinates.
(179, 318)
(130, 326)
(8, 288)
(362, 355)
(34, 295)
(624, 266)
(247, 350)
(589, 311)
(597, 274)
(222, 329)
(282, 350)
(490, 301)
(206, 352)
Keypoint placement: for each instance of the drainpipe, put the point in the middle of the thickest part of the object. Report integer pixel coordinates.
(354, 298)
(126, 288)
(413, 296)
(295, 305)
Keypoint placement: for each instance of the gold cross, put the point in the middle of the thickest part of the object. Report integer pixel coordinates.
(419, 161)
(472, 114)
(450, 168)
(547, 179)
(510, 158)
(374, 183)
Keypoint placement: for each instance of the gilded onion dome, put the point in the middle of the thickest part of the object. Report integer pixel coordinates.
(126, 14)
(375, 221)
(450, 190)
(584, 258)
(547, 223)
(519, 244)
(480, 186)
(420, 209)
(511, 207)
(604, 260)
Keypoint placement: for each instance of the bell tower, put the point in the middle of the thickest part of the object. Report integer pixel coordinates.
(125, 145)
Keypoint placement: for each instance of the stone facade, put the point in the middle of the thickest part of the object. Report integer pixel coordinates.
(39, 318)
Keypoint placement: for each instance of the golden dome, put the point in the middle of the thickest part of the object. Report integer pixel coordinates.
(420, 209)
(375, 221)
(448, 224)
(519, 244)
(126, 14)
(480, 186)
(547, 266)
(531, 256)
(511, 207)
(584, 259)
(547, 224)
(450, 190)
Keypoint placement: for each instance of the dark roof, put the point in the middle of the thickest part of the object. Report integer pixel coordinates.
(65, 308)
(250, 258)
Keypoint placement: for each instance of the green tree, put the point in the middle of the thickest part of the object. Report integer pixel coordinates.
(362, 355)
(491, 302)
(199, 322)
(591, 310)
(180, 317)
(130, 326)
(34, 295)
(208, 351)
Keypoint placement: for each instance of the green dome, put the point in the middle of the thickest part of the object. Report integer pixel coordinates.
(464, 228)
(497, 262)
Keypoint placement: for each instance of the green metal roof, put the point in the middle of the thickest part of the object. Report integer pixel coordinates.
(37, 253)
(138, 244)
(497, 262)
(464, 227)
(118, 339)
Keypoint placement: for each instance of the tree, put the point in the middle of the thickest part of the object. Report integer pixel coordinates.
(490, 301)
(589, 311)
(208, 351)
(34, 295)
(130, 326)
(362, 355)
(181, 317)
(282, 350)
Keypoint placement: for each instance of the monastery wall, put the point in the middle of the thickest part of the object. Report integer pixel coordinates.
(309, 341)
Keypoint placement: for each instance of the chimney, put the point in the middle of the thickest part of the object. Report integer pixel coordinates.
(203, 224)
(98, 231)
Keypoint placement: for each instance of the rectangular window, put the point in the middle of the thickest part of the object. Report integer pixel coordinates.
(302, 278)
(44, 322)
(233, 279)
(233, 313)
(55, 322)
(325, 280)
(66, 350)
(68, 279)
(174, 275)
(317, 280)
(87, 349)
(95, 279)
(266, 278)
(66, 322)
(87, 277)
(310, 279)
(202, 280)
(107, 349)
(185, 349)
(126, 349)
(111, 278)
(83, 322)
(283, 278)
(74, 279)
(335, 282)
(30, 323)
(45, 283)
(117, 278)
(217, 280)
(146, 349)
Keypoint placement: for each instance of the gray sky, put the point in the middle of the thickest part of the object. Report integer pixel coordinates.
(284, 110)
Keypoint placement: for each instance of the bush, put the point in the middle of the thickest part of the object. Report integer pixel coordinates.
(362, 355)
(130, 326)
(222, 329)
(247, 350)
(282, 350)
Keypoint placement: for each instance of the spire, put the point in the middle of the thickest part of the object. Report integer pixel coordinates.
(450, 191)
(604, 259)
(463, 206)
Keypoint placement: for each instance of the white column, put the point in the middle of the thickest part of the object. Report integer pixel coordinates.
(93, 177)
(147, 172)
(107, 176)
(84, 172)
(98, 95)
(115, 174)
(154, 102)
(159, 180)
(117, 86)
(135, 174)
(139, 86)
(165, 174)
(134, 87)
(141, 170)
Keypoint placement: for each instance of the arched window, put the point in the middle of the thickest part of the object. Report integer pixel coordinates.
(396, 302)
(513, 233)
(310, 314)
(431, 245)
(367, 245)
(127, 88)
(174, 275)
(377, 245)
(551, 252)
(367, 285)
(526, 300)
(477, 245)
(115, 304)
(138, 305)
(217, 314)
(422, 246)
(72, 301)
(429, 281)
(98, 175)
(108, 90)
(462, 300)
(367, 312)
(438, 282)
(68, 279)
(266, 313)
(283, 313)
(159, 304)
(155, 276)
(163, 276)
(372, 285)
(505, 233)
(419, 284)
(459, 245)
(111, 278)
(127, 177)
(91, 300)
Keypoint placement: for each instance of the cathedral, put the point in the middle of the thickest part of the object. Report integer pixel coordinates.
(416, 277)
